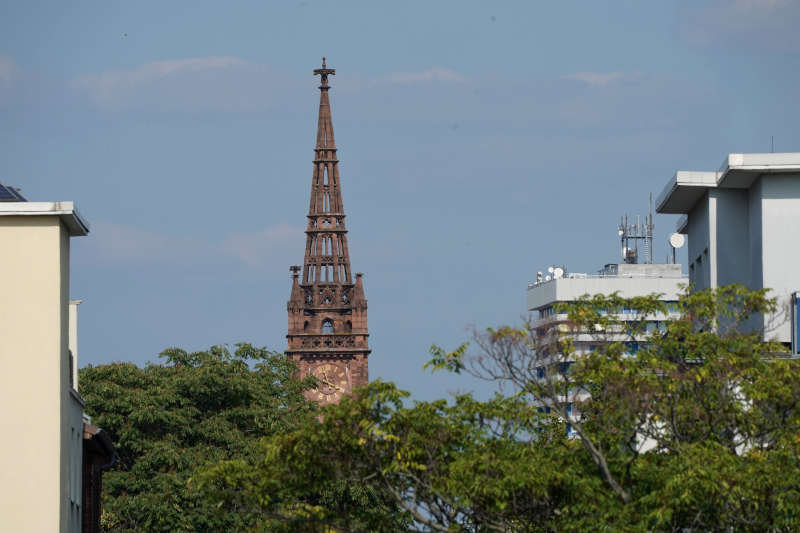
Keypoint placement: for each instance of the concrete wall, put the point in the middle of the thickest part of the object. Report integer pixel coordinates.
(780, 203)
(699, 237)
(733, 236)
(73, 339)
(752, 237)
(34, 383)
(756, 237)
(748, 219)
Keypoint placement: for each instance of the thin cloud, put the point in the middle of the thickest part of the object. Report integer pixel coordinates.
(112, 243)
(759, 24)
(434, 74)
(202, 83)
(123, 244)
(747, 5)
(258, 248)
(9, 71)
(148, 73)
(601, 79)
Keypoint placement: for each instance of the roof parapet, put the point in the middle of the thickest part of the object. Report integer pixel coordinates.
(737, 171)
(66, 211)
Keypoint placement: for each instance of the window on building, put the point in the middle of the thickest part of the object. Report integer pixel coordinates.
(71, 369)
(327, 326)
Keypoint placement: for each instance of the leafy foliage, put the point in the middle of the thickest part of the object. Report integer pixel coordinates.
(169, 420)
(371, 464)
(698, 430)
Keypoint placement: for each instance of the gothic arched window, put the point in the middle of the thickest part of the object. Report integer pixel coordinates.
(327, 326)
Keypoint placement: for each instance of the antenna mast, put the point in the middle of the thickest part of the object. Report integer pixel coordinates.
(631, 233)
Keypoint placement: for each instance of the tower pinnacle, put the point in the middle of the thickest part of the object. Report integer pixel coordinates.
(327, 310)
(324, 72)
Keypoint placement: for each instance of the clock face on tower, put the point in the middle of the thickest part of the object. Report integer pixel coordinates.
(332, 384)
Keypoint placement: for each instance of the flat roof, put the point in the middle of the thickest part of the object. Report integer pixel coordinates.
(543, 294)
(64, 210)
(684, 190)
(738, 171)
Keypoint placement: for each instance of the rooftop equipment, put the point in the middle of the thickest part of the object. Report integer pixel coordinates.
(630, 233)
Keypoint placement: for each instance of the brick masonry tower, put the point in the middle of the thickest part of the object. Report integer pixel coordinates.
(327, 310)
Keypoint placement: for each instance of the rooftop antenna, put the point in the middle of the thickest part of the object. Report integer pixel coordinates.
(772, 143)
(630, 233)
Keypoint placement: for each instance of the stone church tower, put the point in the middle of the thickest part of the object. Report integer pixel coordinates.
(327, 309)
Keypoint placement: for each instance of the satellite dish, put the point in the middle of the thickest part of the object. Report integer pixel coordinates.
(547, 278)
(550, 269)
(676, 240)
(558, 272)
(620, 232)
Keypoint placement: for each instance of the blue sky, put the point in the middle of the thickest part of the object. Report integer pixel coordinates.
(479, 142)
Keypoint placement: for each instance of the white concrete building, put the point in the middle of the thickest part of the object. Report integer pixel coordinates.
(743, 226)
(629, 281)
(41, 449)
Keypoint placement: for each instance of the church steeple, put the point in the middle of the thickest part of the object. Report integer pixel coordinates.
(327, 258)
(328, 334)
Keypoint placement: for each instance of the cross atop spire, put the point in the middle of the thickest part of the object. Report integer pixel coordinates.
(324, 72)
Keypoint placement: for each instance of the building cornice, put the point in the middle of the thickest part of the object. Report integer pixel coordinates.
(66, 211)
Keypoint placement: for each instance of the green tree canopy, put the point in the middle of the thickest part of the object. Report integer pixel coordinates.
(696, 430)
(169, 420)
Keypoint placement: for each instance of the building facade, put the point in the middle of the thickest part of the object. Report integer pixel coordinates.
(627, 280)
(743, 226)
(550, 327)
(328, 335)
(41, 456)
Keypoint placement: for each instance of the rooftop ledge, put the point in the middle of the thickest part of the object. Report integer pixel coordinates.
(738, 171)
(66, 211)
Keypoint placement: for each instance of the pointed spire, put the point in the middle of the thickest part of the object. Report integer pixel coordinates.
(327, 259)
(296, 296)
(327, 310)
(359, 300)
(325, 140)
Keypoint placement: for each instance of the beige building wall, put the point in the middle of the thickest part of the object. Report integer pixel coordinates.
(38, 467)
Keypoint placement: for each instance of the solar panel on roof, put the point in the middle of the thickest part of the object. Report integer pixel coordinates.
(6, 195)
(10, 194)
(16, 193)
